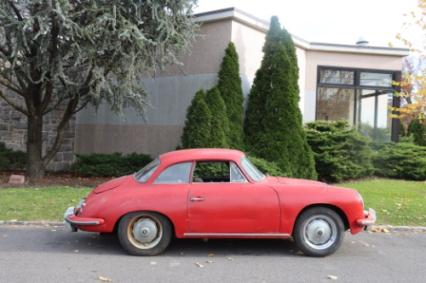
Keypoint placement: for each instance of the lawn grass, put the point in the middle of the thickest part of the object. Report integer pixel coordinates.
(397, 202)
(48, 203)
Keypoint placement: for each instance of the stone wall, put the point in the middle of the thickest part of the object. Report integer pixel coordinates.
(13, 133)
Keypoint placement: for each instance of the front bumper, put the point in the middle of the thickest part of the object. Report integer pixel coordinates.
(369, 218)
(72, 221)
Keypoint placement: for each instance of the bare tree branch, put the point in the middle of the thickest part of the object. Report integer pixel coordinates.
(10, 85)
(17, 13)
(12, 104)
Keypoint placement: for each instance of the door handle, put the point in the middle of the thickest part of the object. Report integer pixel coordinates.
(197, 199)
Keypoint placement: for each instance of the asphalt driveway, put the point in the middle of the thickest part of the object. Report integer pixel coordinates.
(46, 254)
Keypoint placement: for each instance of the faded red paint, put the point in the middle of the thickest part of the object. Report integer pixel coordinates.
(270, 206)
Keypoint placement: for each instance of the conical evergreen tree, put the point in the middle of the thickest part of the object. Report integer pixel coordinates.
(219, 119)
(273, 125)
(229, 85)
(196, 133)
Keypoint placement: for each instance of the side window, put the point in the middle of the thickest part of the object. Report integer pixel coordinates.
(175, 174)
(211, 171)
(236, 175)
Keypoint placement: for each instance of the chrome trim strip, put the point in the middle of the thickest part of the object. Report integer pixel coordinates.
(236, 235)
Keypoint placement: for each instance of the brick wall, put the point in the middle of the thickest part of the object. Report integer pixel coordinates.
(13, 134)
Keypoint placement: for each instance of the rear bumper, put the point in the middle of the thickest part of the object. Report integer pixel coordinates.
(369, 218)
(73, 221)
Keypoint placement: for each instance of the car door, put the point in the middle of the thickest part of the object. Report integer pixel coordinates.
(222, 204)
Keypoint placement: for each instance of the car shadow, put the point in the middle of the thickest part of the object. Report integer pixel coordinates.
(93, 243)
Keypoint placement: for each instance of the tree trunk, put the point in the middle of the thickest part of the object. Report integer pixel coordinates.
(35, 168)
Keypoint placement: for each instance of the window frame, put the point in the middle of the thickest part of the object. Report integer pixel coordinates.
(396, 76)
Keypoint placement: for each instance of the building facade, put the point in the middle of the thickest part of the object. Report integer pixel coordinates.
(349, 82)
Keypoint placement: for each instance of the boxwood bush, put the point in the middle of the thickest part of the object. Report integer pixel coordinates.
(270, 168)
(401, 161)
(12, 159)
(340, 152)
(106, 165)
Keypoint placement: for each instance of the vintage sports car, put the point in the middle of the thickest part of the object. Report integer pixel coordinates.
(218, 193)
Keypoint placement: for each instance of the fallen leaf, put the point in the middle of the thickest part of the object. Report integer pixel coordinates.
(199, 265)
(332, 277)
(104, 279)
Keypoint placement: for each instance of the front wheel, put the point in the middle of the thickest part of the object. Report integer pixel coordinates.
(144, 233)
(319, 231)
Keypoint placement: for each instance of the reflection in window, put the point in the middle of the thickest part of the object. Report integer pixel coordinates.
(175, 174)
(375, 120)
(331, 76)
(357, 95)
(236, 175)
(335, 104)
(376, 79)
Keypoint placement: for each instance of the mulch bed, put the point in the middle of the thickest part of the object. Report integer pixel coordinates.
(53, 179)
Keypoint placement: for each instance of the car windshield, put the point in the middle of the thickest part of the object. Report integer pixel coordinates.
(146, 172)
(254, 173)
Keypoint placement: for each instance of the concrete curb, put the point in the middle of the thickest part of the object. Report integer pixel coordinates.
(31, 223)
(383, 228)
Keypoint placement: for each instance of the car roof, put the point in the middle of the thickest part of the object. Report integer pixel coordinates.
(201, 154)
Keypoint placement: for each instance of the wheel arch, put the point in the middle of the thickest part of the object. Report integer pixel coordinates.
(336, 209)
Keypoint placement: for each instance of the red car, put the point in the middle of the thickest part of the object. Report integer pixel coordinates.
(218, 193)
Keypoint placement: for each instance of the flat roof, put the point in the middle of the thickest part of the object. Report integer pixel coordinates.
(247, 19)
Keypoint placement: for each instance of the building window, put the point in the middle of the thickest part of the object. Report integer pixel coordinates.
(361, 97)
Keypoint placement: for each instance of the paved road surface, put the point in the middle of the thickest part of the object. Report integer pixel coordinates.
(46, 254)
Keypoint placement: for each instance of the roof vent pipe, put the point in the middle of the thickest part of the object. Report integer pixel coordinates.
(362, 41)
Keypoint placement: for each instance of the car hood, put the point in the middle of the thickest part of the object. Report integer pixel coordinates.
(294, 181)
(112, 184)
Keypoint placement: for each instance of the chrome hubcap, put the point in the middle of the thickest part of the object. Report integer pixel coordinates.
(144, 232)
(320, 232)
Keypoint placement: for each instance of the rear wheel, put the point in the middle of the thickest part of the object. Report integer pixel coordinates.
(144, 233)
(319, 231)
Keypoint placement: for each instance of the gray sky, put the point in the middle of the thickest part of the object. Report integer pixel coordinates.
(333, 21)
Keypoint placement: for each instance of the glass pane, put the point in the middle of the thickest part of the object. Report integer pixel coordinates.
(366, 116)
(335, 104)
(175, 174)
(236, 175)
(146, 172)
(376, 79)
(376, 125)
(329, 76)
(384, 118)
(214, 171)
(252, 170)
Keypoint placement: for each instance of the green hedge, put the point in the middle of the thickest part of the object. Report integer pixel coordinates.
(270, 168)
(107, 165)
(401, 161)
(341, 152)
(12, 159)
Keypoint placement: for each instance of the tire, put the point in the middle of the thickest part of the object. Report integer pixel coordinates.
(319, 231)
(144, 233)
